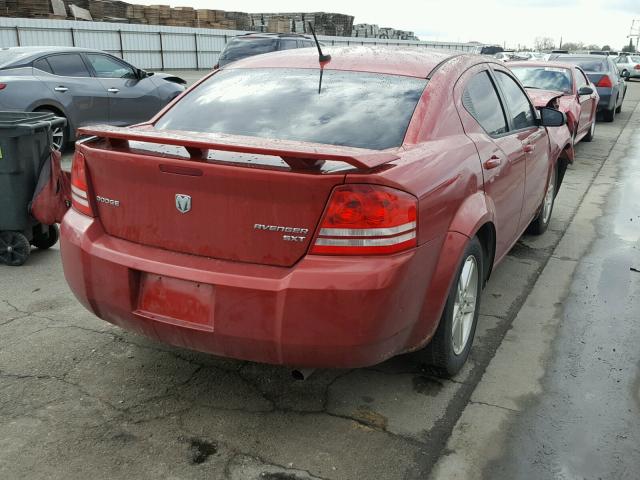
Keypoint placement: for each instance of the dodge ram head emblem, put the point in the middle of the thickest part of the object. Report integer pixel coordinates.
(183, 203)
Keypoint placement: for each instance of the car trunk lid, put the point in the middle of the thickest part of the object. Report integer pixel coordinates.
(210, 200)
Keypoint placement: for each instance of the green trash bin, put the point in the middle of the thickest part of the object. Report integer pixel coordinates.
(25, 146)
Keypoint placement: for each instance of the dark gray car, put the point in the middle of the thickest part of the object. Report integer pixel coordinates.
(251, 44)
(84, 86)
(603, 72)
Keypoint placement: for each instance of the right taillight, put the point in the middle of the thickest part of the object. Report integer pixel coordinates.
(604, 82)
(637, 67)
(79, 186)
(367, 220)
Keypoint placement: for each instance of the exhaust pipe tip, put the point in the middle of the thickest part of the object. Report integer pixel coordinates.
(302, 374)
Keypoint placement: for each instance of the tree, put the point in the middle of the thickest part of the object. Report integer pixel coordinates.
(593, 46)
(572, 46)
(606, 48)
(544, 43)
(631, 48)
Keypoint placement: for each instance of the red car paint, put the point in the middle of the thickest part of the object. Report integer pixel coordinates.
(207, 280)
(580, 109)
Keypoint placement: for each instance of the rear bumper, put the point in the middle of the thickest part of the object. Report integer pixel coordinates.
(605, 102)
(323, 312)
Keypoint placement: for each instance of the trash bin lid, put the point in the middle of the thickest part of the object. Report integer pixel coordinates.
(15, 124)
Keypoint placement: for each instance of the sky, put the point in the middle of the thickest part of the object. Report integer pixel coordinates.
(511, 22)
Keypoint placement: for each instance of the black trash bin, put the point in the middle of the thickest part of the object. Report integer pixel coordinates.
(25, 146)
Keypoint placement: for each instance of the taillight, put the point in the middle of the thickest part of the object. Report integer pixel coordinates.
(79, 187)
(367, 220)
(3, 86)
(604, 82)
(637, 67)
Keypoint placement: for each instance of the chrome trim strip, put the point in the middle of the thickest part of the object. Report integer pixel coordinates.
(80, 200)
(367, 232)
(78, 192)
(365, 242)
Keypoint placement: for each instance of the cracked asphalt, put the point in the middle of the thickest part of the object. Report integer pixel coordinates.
(80, 398)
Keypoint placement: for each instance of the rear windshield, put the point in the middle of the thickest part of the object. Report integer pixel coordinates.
(635, 58)
(237, 49)
(547, 78)
(587, 64)
(351, 109)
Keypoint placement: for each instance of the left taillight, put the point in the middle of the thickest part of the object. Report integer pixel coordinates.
(367, 220)
(3, 86)
(79, 186)
(637, 67)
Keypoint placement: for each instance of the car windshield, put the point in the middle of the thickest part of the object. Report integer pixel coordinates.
(352, 109)
(587, 64)
(547, 78)
(237, 48)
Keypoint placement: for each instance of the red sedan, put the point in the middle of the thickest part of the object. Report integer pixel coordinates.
(315, 214)
(576, 95)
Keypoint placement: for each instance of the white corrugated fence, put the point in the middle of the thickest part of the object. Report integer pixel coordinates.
(155, 46)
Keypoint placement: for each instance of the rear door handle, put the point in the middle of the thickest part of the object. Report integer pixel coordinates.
(61, 89)
(528, 148)
(113, 90)
(492, 163)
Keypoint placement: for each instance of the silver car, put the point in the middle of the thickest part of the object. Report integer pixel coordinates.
(84, 86)
(629, 65)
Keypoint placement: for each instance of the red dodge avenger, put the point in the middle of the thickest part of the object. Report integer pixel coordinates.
(310, 212)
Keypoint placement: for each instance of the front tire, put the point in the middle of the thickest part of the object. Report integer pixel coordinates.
(592, 132)
(540, 224)
(449, 349)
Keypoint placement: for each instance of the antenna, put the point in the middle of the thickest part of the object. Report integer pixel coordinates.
(323, 57)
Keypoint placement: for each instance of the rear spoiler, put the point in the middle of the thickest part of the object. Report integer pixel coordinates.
(296, 154)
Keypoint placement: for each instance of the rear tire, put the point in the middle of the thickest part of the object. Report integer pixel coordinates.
(14, 248)
(47, 239)
(540, 224)
(60, 134)
(449, 349)
(610, 115)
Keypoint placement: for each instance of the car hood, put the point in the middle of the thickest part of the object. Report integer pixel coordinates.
(543, 98)
(170, 78)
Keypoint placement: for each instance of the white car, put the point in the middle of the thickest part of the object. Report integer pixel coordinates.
(628, 65)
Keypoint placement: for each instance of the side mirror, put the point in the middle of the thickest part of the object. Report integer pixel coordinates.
(550, 117)
(585, 91)
(626, 75)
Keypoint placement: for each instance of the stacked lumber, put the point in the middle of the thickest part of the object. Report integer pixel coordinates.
(135, 13)
(181, 17)
(29, 8)
(279, 24)
(108, 9)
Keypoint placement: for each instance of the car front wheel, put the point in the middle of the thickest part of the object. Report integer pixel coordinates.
(540, 224)
(451, 344)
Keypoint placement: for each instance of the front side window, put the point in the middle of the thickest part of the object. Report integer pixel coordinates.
(352, 109)
(546, 78)
(68, 65)
(581, 79)
(522, 115)
(107, 67)
(481, 100)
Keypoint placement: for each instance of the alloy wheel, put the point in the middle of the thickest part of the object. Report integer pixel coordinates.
(548, 198)
(464, 307)
(57, 135)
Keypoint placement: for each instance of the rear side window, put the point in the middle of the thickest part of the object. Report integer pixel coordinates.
(518, 104)
(352, 109)
(481, 101)
(68, 65)
(42, 64)
(287, 44)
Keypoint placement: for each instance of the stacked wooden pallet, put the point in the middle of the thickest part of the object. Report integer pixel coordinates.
(279, 24)
(108, 9)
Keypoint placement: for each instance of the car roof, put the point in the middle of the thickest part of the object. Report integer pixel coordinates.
(24, 55)
(392, 61)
